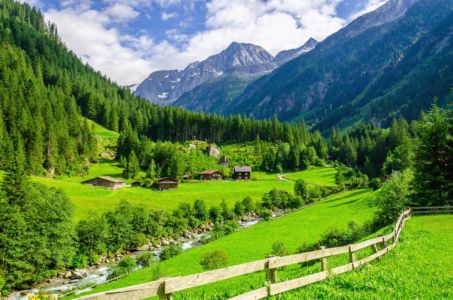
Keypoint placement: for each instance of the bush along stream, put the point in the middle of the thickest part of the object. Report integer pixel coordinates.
(129, 237)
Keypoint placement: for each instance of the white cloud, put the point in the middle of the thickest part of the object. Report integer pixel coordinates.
(273, 24)
(87, 34)
(167, 16)
(121, 12)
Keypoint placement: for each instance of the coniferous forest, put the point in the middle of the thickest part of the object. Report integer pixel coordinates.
(48, 96)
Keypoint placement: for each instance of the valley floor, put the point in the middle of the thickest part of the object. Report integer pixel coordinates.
(304, 226)
(88, 199)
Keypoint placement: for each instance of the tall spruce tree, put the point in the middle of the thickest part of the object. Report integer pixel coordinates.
(433, 178)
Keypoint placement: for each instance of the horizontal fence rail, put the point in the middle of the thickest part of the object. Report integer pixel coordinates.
(165, 287)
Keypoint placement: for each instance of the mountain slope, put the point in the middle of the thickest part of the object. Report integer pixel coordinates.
(235, 64)
(165, 87)
(218, 93)
(343, 80)
(215, 94)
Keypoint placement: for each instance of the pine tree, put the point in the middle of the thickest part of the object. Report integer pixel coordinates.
(132, 167)
(433, 180)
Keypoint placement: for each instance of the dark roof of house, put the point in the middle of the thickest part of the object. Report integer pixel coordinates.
(111, 179)
(209, 172)
(167, 180)
(243, 169)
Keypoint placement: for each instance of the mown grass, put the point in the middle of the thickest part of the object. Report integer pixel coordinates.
(304, 226)
(319, 176)
(420, 267)
(88, 199)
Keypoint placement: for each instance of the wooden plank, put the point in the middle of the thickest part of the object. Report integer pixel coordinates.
(365, 244)
(388, 236)
(342, 269)
(140, 291)
(186, 282)
(277, 262)
(256, 294)
(281, 287)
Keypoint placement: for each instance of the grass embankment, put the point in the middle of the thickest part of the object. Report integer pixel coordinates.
(420, 267)
(304, 226)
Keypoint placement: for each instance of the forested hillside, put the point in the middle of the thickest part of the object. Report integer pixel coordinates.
(390, 62)
(47, 89)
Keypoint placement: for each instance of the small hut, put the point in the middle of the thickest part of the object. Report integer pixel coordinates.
(167, 183)
(242, 172)
(106, 181)
(210, 175)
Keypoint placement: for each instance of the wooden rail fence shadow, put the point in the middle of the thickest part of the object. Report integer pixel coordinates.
(165, 287)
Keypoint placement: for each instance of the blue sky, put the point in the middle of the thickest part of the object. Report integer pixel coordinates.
(128, 39)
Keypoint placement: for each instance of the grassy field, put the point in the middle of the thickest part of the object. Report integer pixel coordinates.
(319, 176)
(420, 267)
(89, 199)
(256, 242)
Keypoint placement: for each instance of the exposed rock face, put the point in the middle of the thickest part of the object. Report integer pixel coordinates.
(241, 59)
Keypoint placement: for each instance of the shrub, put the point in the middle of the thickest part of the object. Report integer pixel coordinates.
(145, 260)
(214, 260)
(170, 251)
(79, 261)
(301, 189)
(248, 204)
(138, 240)
(393, 197)
(125, 266)
(279, 249)
(265, 214)
(375, 184)
(224, 229)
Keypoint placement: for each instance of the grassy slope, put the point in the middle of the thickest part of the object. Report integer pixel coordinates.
(420, 267)
(255, 243)
(319, 176)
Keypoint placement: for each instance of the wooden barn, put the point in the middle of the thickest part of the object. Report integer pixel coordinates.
(210, 175)
(167, 183)
(106, 181)
(242, 172)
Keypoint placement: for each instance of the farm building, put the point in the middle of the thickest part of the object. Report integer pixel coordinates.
(106, 181)
(242, 172)
(210, 175)
(167, 183)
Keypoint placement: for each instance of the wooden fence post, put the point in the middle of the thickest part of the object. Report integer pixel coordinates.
(162, 294)
(271, 274)
(352, 257)
(324, 261)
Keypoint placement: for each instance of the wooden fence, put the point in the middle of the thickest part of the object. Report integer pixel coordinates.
(165, 287)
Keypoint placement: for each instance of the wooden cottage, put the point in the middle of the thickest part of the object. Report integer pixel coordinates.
(167, 183)
(242, 172)
(106, 181)
(210, 175)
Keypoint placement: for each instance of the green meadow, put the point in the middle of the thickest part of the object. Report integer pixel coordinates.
(420, 267)
(253, 243)
(319, 176)
(88, 199)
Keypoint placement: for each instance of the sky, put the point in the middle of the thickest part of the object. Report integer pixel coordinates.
(128, 39)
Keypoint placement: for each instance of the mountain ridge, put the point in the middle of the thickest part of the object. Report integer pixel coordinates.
(166, 86)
